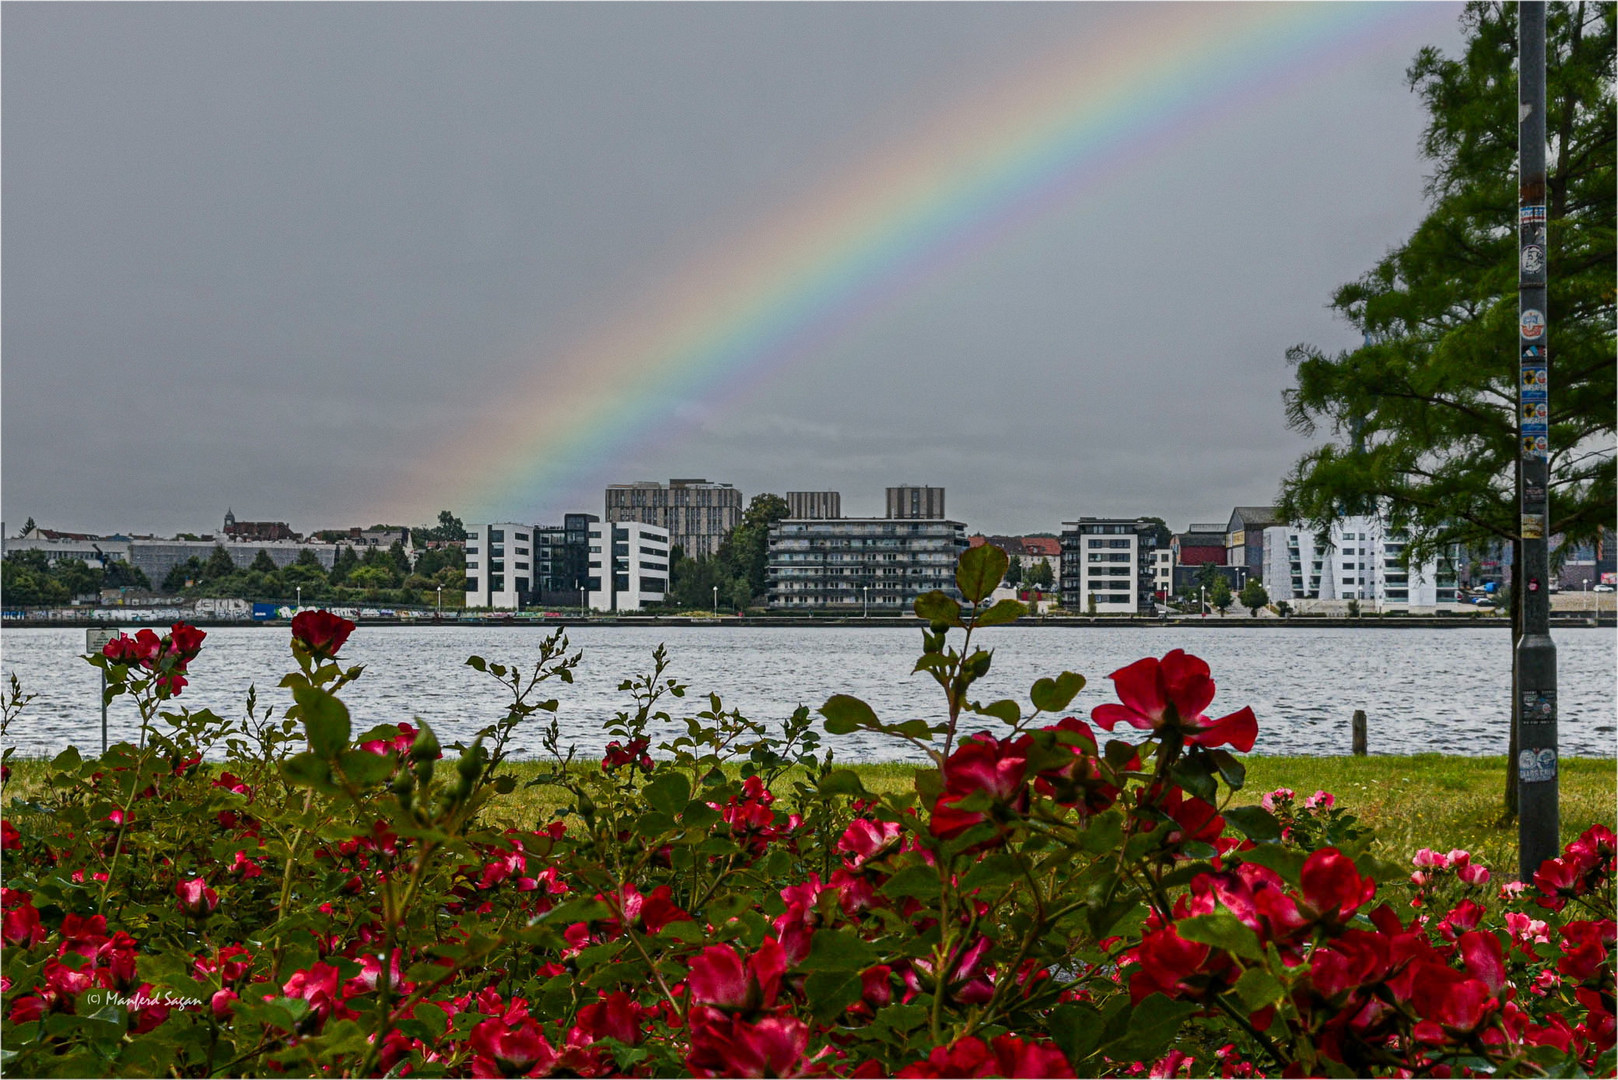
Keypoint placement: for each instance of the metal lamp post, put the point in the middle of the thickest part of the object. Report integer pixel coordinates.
(867, 602)
(716, 599)
(1202, 607)
(300, 596)
(1534, 712)
(440, 601)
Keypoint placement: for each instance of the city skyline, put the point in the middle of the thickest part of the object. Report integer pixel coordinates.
(334, 265)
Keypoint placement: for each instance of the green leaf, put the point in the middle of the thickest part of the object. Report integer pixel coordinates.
(308, 770)
(980, 571)
(1255, 822)
(915, 729)
(1230, 767)
(830, 992)
(1004, 710)
(1222, 930)
(698, 815)
(838, 950)
(654, 824)
(1004, 611)
(1195, 774)
(477, 662)
(918, 881)
(1152, 1025)
(1258, 988)
(668, 791)
(364, 768)
(845, 713)
(1053, 695)
(841, 782)
(1076, 1029)
(938, 607)
(1102, 833)
(325, 720)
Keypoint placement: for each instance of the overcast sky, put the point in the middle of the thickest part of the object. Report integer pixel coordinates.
(283, 258)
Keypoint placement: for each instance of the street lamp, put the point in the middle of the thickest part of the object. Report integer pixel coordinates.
(440, 601)
(300, 596)
(1202, 606)
(867, 602)
(716, 599)
(584, 607)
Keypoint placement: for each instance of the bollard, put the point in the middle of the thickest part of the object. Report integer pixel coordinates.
(1359, 733)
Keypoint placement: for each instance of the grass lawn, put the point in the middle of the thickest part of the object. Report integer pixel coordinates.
(1426, 800)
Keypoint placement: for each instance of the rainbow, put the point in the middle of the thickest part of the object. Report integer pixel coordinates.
(976, 174)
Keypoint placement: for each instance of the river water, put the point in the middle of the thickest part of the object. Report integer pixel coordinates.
(1423, 690)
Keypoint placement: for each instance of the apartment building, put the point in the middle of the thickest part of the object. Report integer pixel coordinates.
(697, 514)
(1110, 566)
(877, 564)
(1362, 560)
(500, 564)
(628, 565)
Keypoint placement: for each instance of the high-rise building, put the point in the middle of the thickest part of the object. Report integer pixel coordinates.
(697, 514)
(909, 501)
(1110, 565)
(814, 505)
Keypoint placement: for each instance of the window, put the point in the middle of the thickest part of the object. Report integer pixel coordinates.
(522, 566)
(471, 584)
(497, 582)
(496, 535)
(471, 564)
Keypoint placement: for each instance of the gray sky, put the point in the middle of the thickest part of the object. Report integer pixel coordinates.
(286, 258)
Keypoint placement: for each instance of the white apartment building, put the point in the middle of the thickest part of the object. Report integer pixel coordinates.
(629, 565)
(1110, 566)
(500, 561)
(1163, 571)
(1361, 561)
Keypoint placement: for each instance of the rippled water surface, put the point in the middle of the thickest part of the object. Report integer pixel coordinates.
(1423, 690)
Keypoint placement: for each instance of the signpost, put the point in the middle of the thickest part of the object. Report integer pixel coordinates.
(1539, 811)
(95, 639)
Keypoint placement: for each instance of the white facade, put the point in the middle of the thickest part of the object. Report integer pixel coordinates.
(1110, 565)
(631, 568)
(1362, 561)
(500, 561)
(1163, 571)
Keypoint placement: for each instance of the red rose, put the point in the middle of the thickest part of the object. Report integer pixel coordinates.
(196, 899)
(1171, 693)
(320, 633)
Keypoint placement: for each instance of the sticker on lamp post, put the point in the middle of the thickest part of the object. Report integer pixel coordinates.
(1532, 324)
(1534, 767)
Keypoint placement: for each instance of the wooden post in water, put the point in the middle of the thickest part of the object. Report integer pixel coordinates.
(1359, 733)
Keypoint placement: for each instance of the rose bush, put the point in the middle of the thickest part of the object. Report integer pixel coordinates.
(1043, 903)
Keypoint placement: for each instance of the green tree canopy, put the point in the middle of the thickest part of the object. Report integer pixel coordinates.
(1220, 597)
(1254, 596)
(219, 564)
(1424, 413)
(1014, 571)
(262, 563)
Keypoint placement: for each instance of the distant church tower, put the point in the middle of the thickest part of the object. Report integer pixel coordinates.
(230, 521)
